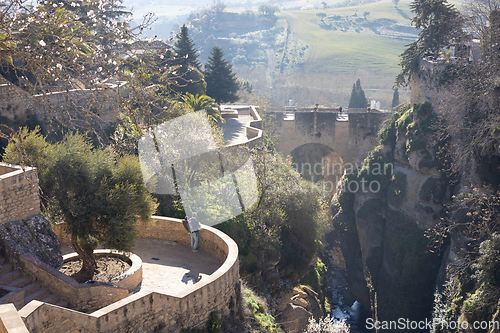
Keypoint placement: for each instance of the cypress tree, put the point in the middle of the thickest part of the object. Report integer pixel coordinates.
(395, 98)
(186, 53)
(358, 98)
(352, 100)
(221, 80)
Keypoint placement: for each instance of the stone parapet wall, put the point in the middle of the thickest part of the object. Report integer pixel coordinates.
(148, 311)
(6, 168)
(16, 105)
(10, 320)
(18, 192)
(82, 296)
(170, 229)
(257, 122)
(253, 128)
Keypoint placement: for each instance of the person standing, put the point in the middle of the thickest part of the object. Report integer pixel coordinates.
(194, 226)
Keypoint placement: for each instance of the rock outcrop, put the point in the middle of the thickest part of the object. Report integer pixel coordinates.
(32, 235)
(298, 306)
(382, 230)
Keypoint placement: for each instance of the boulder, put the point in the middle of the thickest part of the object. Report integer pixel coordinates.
(310, 291)
(298, 291)
(294, 318)
(32, 235)
(300, 302)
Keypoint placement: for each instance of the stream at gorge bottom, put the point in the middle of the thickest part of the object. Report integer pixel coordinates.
(342, 302)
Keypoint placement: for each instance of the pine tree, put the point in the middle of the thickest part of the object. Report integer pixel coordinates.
(358, 98)
(395, 98)
(186, 53)
(439, 23)
(222, 85)
(185, 75)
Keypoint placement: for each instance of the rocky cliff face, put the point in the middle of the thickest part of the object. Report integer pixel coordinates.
(382, 214)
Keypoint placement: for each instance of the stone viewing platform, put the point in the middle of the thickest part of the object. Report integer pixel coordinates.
(243, 124)
(168, 266)
(179, 288)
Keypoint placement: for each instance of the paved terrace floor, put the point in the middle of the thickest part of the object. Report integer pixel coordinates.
(167, 266)
(234, 129)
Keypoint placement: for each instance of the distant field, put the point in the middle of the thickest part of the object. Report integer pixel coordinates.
(322, 58)
(337, 52)
(345, 52)
(367, 49)
(379, 9)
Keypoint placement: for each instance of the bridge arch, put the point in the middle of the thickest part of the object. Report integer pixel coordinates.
(315, 162)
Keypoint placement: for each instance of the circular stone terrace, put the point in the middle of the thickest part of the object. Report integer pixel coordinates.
(168, 266)
(179, 288)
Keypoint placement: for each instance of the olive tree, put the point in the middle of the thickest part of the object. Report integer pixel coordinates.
(99, 194)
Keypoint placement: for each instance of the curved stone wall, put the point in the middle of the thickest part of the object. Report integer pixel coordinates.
(148, 311)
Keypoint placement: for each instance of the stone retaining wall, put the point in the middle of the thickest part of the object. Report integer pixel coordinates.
(148, 311)
(257, 123)
(84, 296)
(18, 192)
(81, 106)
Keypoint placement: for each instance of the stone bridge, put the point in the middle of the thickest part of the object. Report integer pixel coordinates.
(315, 135)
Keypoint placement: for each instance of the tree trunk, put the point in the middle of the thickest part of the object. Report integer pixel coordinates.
(89, 264)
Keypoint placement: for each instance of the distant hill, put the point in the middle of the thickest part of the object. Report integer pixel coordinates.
(309, 55)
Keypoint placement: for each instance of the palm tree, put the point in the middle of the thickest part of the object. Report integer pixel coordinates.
(203, 102)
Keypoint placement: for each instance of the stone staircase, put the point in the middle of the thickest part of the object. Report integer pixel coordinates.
(32, 289)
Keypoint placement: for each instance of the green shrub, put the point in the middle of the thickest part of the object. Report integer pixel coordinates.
(387, 133)
(34, 145)
(423, 109)
(376, 167)
(488, 264)
(404, 120)
(258, 308)
(397, 189)
(213, 323)
(476, 307)
(414, 144)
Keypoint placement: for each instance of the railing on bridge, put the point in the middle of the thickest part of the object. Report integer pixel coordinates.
(289, 112)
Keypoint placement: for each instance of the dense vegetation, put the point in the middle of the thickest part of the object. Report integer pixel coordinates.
(456, 135)
(283, 231)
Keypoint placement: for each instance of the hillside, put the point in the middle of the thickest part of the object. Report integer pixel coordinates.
(311, 56)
